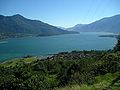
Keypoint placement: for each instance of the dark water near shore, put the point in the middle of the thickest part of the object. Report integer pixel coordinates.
(53, 44)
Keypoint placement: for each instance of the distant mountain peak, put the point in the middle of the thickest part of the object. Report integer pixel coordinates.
(77, 26)
(18, 16)
(106, 24)
(17, 24)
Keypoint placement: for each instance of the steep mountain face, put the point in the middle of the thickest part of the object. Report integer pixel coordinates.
(18, 24)
(109, 24)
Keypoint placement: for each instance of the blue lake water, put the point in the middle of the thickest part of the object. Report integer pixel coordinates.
(40, 46)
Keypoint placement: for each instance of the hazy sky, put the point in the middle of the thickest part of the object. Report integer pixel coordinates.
(65, 13)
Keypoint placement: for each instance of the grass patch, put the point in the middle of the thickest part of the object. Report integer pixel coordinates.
(13, 62)
(102, 82)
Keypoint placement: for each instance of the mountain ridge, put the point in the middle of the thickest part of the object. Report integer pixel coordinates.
(18, 24)
(106, 24)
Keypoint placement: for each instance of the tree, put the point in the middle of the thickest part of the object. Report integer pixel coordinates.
(117, 47)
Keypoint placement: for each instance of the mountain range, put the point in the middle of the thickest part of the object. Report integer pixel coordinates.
(17, 25)
(107, 24)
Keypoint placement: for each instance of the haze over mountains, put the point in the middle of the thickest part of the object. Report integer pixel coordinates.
(17, 24)
(107, 24)
(76, 27)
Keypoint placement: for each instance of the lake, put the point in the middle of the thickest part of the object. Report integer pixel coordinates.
(42, 46)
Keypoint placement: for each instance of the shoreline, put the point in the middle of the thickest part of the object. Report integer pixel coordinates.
(25, 57)
(40, 57)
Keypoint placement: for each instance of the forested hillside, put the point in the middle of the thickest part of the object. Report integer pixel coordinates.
(19, 26)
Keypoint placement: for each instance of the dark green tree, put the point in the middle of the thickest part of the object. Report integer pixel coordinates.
(117, 47)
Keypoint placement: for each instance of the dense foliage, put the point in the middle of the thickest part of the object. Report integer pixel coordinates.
(117, 47)
(63, 69)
